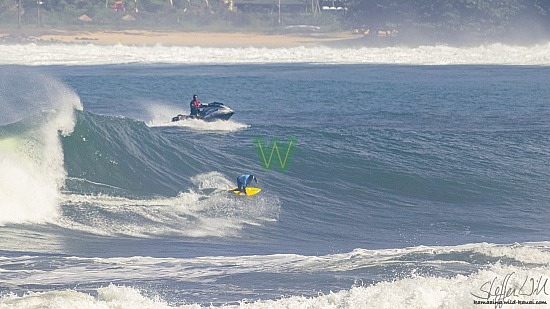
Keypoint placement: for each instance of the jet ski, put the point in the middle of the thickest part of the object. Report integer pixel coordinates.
(209, 112)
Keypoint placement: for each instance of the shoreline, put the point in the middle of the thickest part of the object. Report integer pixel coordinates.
(183, 39)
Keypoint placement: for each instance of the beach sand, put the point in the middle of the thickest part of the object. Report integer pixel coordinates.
(188, 39)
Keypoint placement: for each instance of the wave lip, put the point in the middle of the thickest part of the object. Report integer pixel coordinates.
(31, 156)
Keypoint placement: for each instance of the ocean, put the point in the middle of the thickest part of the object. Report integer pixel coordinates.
(401, 178)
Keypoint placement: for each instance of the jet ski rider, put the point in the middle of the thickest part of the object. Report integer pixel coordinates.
(196, 106)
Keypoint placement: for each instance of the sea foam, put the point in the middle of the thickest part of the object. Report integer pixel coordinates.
(37, 110)
(74, 54)
(415, 292)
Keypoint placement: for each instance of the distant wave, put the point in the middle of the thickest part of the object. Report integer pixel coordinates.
(67, 54)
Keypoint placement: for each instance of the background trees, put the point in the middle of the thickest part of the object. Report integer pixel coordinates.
(457, 19)
(445, 20)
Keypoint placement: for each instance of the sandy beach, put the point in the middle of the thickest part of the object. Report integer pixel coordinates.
(188, 39)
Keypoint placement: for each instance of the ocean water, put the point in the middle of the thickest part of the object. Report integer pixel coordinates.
(419, 178)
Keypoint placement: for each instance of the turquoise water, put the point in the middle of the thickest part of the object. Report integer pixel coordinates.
(404, 178)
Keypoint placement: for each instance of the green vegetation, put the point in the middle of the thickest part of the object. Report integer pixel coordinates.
(435, 20)
(507, 20)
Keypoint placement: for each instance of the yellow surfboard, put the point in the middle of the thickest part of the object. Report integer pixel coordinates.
(249, 191)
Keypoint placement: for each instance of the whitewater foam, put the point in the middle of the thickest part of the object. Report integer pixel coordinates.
(406, 290)
(214, 126)
(111, 296)
(31, 158)
(519, 252)
(207, 210)
(199, 125)
(67, 54)
(212, 180)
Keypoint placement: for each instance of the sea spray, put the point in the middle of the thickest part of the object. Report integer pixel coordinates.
(38, 109)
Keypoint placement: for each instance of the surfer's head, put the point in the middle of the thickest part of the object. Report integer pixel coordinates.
(195, 96)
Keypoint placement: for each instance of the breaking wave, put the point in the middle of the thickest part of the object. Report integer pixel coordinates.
(67, 54)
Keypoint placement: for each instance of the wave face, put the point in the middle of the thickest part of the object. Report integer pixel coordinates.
(409, 186)
(147, 185)
(67, 54)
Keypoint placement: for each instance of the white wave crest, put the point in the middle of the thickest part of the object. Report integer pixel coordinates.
(38, 109)
(214, 126)
(67, 54)
(415, 292)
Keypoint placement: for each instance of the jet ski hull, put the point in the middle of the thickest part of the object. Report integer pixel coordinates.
(212, 112)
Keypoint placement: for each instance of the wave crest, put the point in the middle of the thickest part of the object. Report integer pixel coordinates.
(67, 54)
(38, 109)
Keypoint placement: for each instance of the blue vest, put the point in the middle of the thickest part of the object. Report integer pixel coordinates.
(244, 179)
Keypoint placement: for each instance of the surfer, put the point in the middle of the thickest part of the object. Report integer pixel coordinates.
(243, 181)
